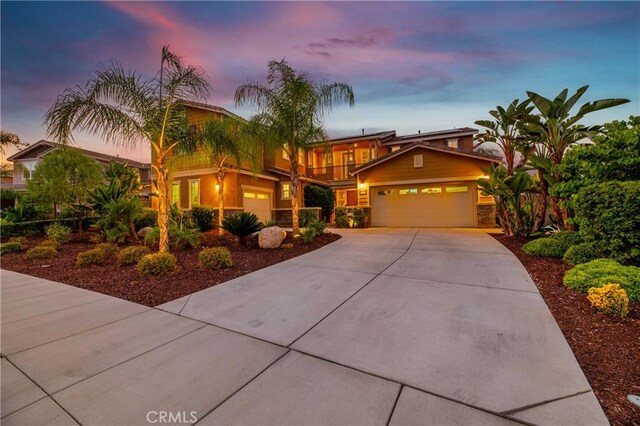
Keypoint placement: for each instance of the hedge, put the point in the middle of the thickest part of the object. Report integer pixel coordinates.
(31, 228)
(601, 272)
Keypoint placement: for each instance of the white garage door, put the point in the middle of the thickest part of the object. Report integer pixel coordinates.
(428, 206)
(258, 203)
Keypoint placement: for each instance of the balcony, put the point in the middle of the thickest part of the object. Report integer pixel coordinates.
(332, 172)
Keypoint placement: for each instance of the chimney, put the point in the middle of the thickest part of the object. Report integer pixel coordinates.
(362, 132)
(418, 131)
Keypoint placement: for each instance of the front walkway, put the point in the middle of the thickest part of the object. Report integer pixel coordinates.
(398, 326)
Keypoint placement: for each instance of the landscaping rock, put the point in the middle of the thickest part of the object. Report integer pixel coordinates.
(272, 237)
(144, 231)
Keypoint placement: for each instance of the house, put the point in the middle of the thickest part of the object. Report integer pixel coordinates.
(424, 179)
(26, 160)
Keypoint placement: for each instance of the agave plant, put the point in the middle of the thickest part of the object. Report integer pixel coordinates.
(242, 225)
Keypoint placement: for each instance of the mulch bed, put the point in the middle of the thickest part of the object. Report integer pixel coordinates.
(607, 348)
(126, 283)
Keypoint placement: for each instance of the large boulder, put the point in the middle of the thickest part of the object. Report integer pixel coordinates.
(271, 237)
(144, 231)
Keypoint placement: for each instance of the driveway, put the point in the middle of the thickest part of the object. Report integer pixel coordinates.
(385, 326)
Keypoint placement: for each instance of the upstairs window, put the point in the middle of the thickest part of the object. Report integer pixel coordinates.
(395, 148)
(26, 174)
(452, 143)
(365, 156)
(285, 151)
(286, 190)
(417, 161)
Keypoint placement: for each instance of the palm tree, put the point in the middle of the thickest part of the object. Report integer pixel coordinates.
(290, 112)
(504, 130)
(125, 110)
(8, 139)
(222, 140)
(555, 129)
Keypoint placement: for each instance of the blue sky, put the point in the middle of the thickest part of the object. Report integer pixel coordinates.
(418, 65)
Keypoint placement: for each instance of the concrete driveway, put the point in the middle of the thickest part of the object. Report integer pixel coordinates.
(385, 326)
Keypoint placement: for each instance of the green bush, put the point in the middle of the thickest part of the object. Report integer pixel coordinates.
(308, 235)
(58, 232)
(241, 225)
(50, 243)
(545, 247)
(156, 264)
(319, 196)
(91, 257)
(202, 218)
(315, 228)
(598, 273)
(41, 252)
(148, 218)
(21, 240)
(215, 258)
(341, 218)
(305, 216)
(109, 249)
(569, 238)
(360, 218)
(583, 253)
(30, 228)
(132, 255)
(10, 247)
(178, 237)
(610, 213)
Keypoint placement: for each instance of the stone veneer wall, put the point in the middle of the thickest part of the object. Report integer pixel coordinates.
(227, 213)
(486, 215)
(283, 216)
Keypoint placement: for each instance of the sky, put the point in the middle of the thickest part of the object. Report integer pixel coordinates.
(412, 65)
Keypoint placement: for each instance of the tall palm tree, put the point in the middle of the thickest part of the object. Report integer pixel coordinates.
(556, 129)
(225, 143)
(125, 110)
(291, 109)
(504, 130)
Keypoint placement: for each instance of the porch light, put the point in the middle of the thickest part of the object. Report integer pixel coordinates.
(361, 185)
(217, 187)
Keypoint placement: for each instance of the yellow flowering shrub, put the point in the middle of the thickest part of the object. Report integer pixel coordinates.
(610, 298)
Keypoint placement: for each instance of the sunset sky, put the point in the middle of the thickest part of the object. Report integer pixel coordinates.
(419, 65)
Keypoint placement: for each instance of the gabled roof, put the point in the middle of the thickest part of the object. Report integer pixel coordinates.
(429, 136)
(381, 136)
(39, 149)
(212, 108)
(424, 145)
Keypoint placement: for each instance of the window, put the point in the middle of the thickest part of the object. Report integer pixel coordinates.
(262, 196)
(431, 190)
(365, 156)
(408, 191)
(26, 174)
(194, 193)
(175, 193)
(456, 188)
(300, 157)
(310, 159)
(417, 161)
(286, 190)
(452, 143)
(285, 150)
(385, 192)
(395, 148)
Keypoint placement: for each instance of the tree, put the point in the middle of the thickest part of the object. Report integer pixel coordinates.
(290, 112)
(9, 140)
(504, 131)
(65, 178)
(125, 110)
(222, 141)
(122, 181)
(556, 129)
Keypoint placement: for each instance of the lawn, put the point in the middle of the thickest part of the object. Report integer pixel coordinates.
(126, 283)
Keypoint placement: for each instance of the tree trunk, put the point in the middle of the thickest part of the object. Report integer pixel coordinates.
(163, 206)
(221, 174)
(294, 194)
(544, 202)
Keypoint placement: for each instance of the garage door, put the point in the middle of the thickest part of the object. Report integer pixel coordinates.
(257, 203)
(428, 206)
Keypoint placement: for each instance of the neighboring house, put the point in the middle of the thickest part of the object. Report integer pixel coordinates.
(425, 179)
(26, 160)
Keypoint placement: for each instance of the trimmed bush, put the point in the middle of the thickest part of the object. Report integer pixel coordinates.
(157, 264)
(598, 273)
(215, 258)
(41, 252)
(610, 299)
(109, 249)
(569, 238)
(360, 218)
(58, 232)
(98, 238)
(30, 228)
(545, 247)
(91, 257)
(341, 218)
(132, 255)
(202, 218)
(610, 213)
(319, 196)
(21, 240)
(10, 247)
(583, 253)
(242, 225)
(50, 243)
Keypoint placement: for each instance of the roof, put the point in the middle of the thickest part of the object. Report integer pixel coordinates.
(427, 136)
(213, 108)
(283, 172)
(38, 150)
(382, 136)
(425, 145)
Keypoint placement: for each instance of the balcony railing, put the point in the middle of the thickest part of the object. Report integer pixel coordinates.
(332, 172)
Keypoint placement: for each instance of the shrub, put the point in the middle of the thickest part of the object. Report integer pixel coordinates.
(109, 249)
(269, 223)
(97, 238)
(156, 264)
(610, 298)
(58, 232)
(610, 212)
(241, 225)
(306, 216)
(30, 228)
(202, 218)
(182, 237)
(319, 196)
(21, 240)
(308, 235)
(41, 252)
(317, 227)
(287, 246)
(149, 217)
(132, 255)
(341, 218)
(569, 238)
(360, 218)
(50, 243)
(215, 258)
(583, 253)
(91, 257)
(598, 273)
(10, 247)
(545, 247)
(118, 233)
